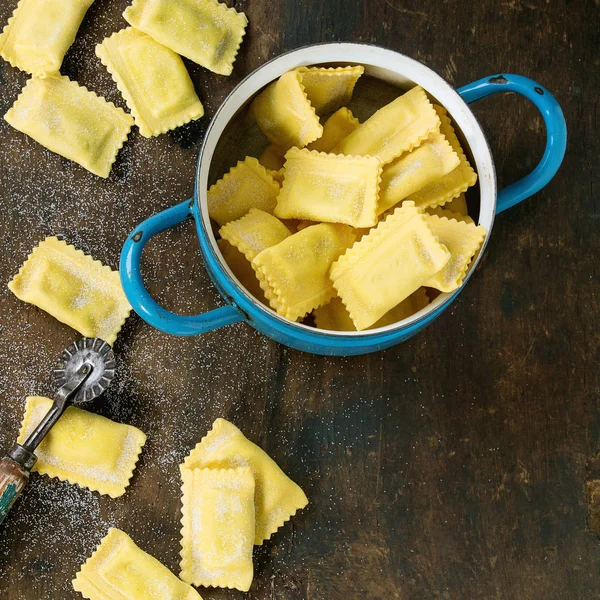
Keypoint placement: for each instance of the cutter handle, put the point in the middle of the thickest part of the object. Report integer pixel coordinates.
(13, 478)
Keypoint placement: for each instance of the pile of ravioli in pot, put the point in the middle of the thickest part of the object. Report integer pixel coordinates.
(343, 225)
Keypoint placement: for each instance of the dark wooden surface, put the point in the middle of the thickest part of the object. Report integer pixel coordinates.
(452, 466)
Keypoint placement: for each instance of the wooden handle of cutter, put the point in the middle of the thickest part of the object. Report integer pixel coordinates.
(13, 478)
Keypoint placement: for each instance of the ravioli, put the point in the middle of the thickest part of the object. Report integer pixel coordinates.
(396, 128)
(74, 288)
(277, 496)
(284, 113)
(217, 536)
(339, 125)
(39, 33)
(247, 185)
(329, 88)
(120, 570)
(445, 189)
(152, 79)
(386, 266)
(294, 274)
(84, 448)
(329, 188)
(205, 31)
(433, 159)
(463, 240)
(71, 121)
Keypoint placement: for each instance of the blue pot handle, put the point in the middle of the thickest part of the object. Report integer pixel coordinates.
(556, 131)
(137, 294)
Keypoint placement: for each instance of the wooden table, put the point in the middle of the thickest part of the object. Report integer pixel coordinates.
(452, 466)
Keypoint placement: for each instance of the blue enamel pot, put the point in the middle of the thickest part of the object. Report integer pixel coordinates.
(394, 69)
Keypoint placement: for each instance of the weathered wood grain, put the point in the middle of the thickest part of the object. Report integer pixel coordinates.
(450, 467)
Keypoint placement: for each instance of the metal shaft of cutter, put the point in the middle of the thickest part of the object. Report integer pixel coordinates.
(61, 401)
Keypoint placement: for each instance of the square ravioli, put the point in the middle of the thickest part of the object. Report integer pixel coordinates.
(217, 536)
(448, 187)
(68, 119)
(329, 88)
(394, 129)
(339, 125)
(74, 288)
(205, 31)
(329, 187)
(153, 80)
(463, 240)
(295, 274)
(254, 232)
(284, 113)
(277, 497)
(247, 185)
(388, 265)
(120, 570)
(433, 159)
(40, 32)
(84, 448)
(335, 317)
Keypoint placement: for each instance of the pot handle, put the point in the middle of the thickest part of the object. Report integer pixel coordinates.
(556, 131)
(139, 297)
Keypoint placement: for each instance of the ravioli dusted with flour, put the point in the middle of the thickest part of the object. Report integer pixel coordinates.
(277, 497)
(74, 288)
(120, 570)
(68, 119)
(84, 448)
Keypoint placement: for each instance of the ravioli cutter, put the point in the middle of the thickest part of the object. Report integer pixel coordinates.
(83, 372)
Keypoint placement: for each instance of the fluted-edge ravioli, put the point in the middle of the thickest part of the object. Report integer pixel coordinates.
(284, 113)
(254, 232)
(453, 184)
(335, 317)
(294, 273)
(153, 80)
(84, 448)
(339, 125)
(74, 288)
(39, 33)
(247, 185)
(330, 188)
(329, 88)
(433, 159)
(205, 31)
(68, 119)
(463, 240)
(217, 534)
(120, 570)
(277, 497)
(395, 128)
(387, 265)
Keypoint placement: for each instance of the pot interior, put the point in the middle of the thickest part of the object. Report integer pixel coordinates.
(378, 86)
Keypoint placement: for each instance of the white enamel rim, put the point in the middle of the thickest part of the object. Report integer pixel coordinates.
(394, 68)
